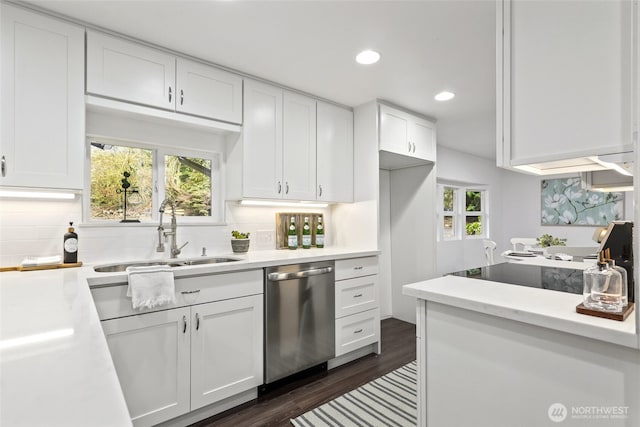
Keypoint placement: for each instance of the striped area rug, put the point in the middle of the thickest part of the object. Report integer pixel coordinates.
(387, 401)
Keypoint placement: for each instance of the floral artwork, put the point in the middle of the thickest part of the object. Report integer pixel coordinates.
(566, 202)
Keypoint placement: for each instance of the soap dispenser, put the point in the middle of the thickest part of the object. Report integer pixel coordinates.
(70, 254)
(603, 288)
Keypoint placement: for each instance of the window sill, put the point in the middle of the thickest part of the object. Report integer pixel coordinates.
(115, 224)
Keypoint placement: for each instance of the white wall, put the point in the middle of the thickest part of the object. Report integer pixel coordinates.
(455, 167)
(514, 209)
(384, 244)
(36, 228)
(522, 208)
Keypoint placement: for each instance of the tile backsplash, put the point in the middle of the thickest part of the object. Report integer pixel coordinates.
(36, 228)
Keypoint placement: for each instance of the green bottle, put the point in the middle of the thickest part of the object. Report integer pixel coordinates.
(319, 234)
(306, 234)
(292, 240)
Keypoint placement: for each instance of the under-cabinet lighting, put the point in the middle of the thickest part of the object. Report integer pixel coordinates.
(613, 166)
(37, 195)
(444, 96)
(36, 338)
(612, 189)
(367, 57)
(283, 204)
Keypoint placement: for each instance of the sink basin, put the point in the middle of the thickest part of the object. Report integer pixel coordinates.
(115, 268)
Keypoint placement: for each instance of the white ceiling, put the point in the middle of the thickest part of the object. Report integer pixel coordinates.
(426, 46)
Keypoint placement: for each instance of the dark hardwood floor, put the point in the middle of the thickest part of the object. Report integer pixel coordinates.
(278, 406)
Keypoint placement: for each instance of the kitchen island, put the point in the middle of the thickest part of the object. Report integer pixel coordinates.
(496, 354)
(55, 365)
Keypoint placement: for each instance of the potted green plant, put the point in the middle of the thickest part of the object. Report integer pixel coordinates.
(548, 240)
(240, 241)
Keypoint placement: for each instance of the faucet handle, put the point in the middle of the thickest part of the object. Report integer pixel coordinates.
(178, 250)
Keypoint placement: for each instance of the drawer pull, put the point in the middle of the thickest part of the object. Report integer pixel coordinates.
(357, 331)
(357, 295)
(357, 268)
(190, 292)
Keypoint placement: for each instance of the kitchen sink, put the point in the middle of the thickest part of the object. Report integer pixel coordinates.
(114, 268)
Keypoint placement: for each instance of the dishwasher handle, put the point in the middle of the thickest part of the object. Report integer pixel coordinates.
(277, 277)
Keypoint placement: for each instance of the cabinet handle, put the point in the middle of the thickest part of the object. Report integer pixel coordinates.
(409, 146)
(357, 331)
(181, 96)
(3, 166)
(184, 324)
(197, 321)
(414, 147)
(170, 93)
(279, 187)
(320, 187)
(357, 268)
(357, 296)
(286, 191)
(191, 292)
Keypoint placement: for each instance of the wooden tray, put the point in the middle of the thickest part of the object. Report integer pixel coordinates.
(580, 308)
(41, 267)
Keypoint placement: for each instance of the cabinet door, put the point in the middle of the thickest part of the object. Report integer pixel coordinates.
(42, 101)
(131, 72)
(565, 89)
(262, 141)
(151, 356)
(226, 349)
(208, 92)
(334, 153)
(394, 131)
(299, 147)
(422, 137)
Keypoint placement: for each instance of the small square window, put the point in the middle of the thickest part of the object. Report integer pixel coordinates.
(188, 184)
(449, 227)
(474, 225)
(108, 165)
(474, 201)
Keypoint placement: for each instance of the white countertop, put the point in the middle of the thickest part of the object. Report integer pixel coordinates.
(541, 307)
(55, 366)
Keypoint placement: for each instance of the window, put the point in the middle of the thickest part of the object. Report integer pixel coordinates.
(462, 213)
(190, 179)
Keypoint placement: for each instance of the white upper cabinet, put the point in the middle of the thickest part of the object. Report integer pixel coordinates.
(299, 147)
(334, 152)
(261, 163)
(208, 92)
(128, 71)
(405, 140)
(277, 151)
(42, 143)
(131, 72)
(564, 90)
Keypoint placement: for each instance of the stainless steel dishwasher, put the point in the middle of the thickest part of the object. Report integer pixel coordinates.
(299, 318)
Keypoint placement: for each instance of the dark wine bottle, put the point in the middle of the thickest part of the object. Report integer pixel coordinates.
(70, 254)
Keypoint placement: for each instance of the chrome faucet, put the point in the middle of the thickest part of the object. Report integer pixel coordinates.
(162, 235)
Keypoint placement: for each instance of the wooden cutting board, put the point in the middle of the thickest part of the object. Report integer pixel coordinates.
(41, 267)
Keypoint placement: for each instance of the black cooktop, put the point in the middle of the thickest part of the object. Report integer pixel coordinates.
(534, 276)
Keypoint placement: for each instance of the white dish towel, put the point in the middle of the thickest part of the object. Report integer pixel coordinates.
(151, 286)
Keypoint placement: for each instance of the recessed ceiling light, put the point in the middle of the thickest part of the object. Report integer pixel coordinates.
(444, 96)
(367, 57)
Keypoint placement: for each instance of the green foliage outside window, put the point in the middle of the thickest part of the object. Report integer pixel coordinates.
(108, 163)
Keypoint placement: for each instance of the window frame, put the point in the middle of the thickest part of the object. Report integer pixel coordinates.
(158, 183)
(460, 212)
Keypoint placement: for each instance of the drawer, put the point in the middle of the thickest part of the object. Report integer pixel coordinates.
(356, 331)
(356, 267)
(356, 295)
(112, 301)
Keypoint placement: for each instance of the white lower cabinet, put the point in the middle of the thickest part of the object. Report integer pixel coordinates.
(151, 355)
(356, 331)
(175, 361)
(357, 304)
(226, 349)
